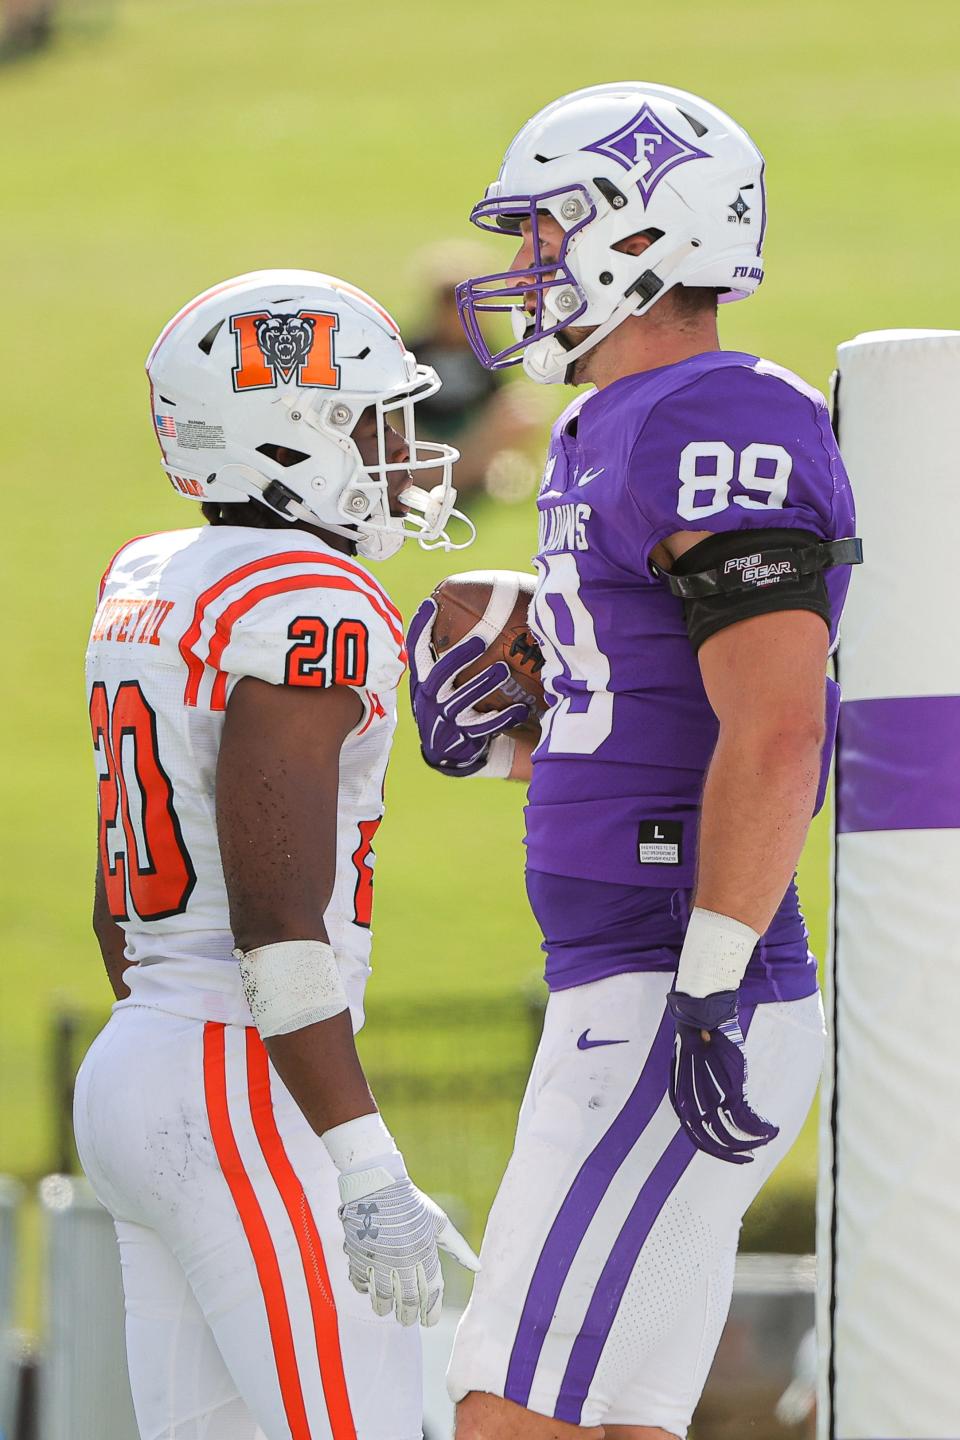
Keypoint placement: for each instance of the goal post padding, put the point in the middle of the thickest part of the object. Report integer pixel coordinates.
(889, 1199)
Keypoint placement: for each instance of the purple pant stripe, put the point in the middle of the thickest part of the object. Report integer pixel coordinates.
(603, 1307)
(615, 1275)
(578, 1209)
(899, 764)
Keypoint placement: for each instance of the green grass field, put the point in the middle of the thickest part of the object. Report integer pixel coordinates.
(190, 141)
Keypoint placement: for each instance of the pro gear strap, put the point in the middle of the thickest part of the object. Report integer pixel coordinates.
(739, 574)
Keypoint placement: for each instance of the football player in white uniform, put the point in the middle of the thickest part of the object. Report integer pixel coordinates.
(242, 685)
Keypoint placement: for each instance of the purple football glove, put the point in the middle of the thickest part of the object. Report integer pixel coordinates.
(709, 1078)
(454, 737)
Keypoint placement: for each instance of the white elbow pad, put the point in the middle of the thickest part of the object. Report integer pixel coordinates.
(291, 984)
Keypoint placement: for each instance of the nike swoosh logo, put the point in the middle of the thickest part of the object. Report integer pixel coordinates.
(589, 475)
(585, 1043)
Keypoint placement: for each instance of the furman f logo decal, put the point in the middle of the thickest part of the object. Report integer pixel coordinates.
(271, 348)
(649, 141)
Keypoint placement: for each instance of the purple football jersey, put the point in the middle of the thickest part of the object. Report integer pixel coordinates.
(722, 441)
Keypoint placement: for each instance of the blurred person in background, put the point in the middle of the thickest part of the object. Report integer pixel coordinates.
(242, 680)
(27, 28)
(491, 423)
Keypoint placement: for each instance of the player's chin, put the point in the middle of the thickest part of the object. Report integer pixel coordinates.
(571, 337)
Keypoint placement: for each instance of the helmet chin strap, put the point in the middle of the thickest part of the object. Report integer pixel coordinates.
(379, 544)
(550, 362)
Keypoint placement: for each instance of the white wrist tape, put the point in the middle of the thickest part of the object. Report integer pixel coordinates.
(358, 1143)
(716, 952)
(366, 1155)
(290, 985)
(499, 759)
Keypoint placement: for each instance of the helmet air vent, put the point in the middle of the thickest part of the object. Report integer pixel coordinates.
(206, 344)
(282, 454)
(697, 126)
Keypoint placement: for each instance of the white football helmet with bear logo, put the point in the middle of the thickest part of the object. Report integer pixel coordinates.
(289, 360)
(606, 163)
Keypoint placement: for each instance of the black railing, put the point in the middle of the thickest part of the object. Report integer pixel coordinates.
(448, 1075)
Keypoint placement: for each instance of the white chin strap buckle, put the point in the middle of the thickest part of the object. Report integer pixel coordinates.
(546, 361)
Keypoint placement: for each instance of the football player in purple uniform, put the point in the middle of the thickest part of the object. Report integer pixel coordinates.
(696, 529)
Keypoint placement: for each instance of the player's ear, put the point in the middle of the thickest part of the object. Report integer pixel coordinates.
(636, 244)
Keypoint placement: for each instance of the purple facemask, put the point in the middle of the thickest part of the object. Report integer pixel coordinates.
(507, 291)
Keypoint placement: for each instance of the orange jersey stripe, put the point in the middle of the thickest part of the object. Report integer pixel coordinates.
(290, 557)
(322, 1306)
(254, 1227)
(226, 622)
(376, 712)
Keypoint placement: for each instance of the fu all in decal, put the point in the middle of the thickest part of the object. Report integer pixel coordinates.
(275, 348)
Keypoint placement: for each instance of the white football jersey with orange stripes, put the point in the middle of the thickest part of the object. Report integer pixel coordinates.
(183, 616)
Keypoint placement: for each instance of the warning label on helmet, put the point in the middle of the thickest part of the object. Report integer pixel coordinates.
(198, 435)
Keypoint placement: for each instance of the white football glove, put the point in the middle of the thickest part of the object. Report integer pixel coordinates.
(392, 1233)
(392, 1230)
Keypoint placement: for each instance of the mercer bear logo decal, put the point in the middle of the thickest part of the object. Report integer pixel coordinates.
(275, 348)
(286, 341)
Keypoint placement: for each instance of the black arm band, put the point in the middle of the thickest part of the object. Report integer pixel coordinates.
(743, 573)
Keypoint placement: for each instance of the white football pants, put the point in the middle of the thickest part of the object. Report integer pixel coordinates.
(239, 1310)
(607, 1262)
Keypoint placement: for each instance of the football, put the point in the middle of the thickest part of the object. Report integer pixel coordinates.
(494, 603)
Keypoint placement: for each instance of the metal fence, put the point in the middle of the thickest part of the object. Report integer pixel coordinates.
(84, 1390)
(11, 1195)
(448, 1076)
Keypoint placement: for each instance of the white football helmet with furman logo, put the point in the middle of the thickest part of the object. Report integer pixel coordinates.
(292, 358)
(609, 162)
